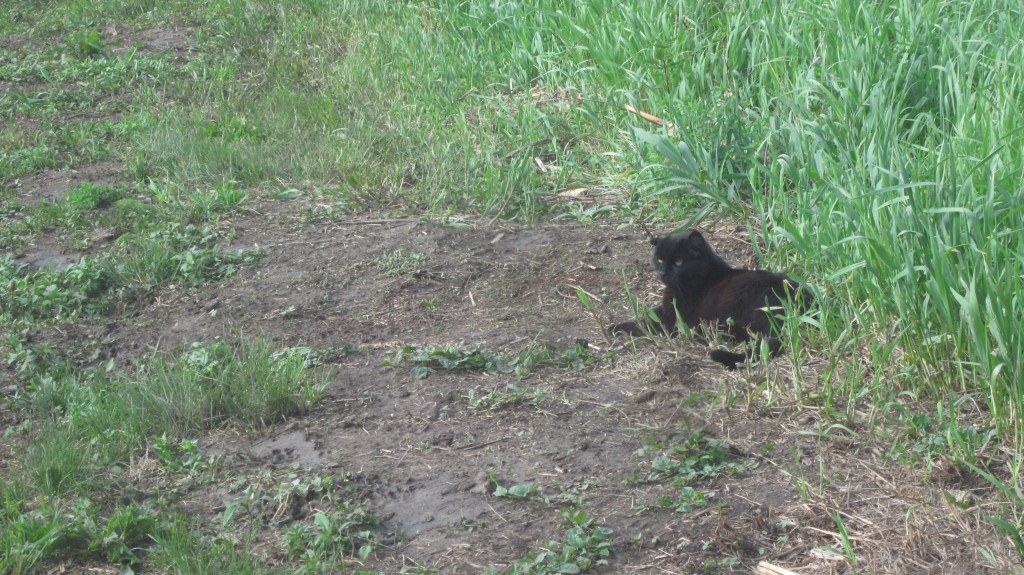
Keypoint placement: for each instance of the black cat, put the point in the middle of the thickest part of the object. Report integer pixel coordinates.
(702, 288)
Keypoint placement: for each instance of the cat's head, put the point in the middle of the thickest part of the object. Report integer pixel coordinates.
(683, 257)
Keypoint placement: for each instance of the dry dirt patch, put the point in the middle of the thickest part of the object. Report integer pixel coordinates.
(424, 453)
(177, 42)
(46, 250)
(52, 185)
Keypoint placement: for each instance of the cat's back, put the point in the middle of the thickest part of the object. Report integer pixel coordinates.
(741, 295)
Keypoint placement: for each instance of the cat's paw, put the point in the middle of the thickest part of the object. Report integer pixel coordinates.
(627, 328)
(728, 358)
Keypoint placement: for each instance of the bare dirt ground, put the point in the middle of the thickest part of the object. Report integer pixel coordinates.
(422, 455)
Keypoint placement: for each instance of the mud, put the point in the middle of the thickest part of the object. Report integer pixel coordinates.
(428, 460)
(52, 185)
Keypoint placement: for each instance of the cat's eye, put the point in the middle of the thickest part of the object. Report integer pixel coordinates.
(659, 260)
(679, 262)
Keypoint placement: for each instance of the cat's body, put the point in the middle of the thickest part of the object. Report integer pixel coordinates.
(703, 289)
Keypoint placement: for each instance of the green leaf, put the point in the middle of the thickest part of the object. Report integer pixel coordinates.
(582, 295)
(289, 194)
(322, 521)
(522, 490)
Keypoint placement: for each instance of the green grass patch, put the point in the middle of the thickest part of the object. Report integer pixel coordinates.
(76, 529)
(688, 462)
(584, 546)
(323, 120)
(184, 548)
(249, 387)
(687, 458)
(152, 249)
(318, 520)
(85, 430)
(87, 422)
(535, 356)
(73, 105)
(89, 196)
(401, 262)
(186, 256)
(41, 295)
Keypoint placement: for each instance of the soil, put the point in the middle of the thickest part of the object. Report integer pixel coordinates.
(423, 457)
(52, 185)
(177, 42)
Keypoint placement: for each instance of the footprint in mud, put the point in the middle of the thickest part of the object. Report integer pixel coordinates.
(282, 455)
(438, 503)
(293, 448)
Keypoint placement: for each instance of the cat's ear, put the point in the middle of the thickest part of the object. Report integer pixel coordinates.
(655, 241)
(696, 242)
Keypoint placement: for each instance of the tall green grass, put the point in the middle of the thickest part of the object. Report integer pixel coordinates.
(890, 160)
(86, 430)
(89, 425)
(382, 101)
(879, 143)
